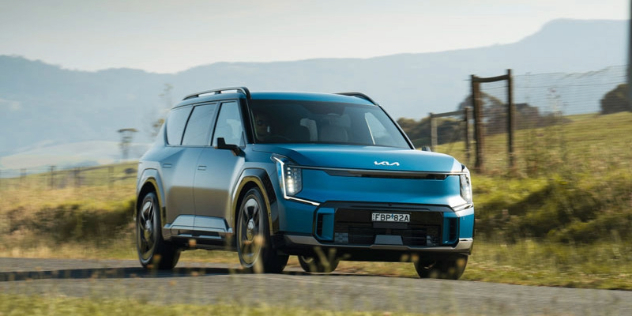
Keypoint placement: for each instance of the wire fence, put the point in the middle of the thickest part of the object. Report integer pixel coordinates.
(557, 120)
(52, 177)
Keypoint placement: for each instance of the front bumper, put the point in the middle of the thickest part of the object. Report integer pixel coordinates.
(348, 227)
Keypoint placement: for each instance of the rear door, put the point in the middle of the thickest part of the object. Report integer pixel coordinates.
(177, 169)
(217, 172)
(181, 165)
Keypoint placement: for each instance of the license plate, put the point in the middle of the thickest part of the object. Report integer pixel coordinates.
(391, 217)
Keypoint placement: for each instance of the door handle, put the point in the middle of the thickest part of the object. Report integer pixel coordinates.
(202, 168)
(166, 165)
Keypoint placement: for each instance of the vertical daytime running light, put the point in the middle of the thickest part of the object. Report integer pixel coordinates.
(466, 185)
(290, 177)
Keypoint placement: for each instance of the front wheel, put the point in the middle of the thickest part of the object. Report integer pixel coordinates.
(153, 251)
(254, 246)
(445, 268)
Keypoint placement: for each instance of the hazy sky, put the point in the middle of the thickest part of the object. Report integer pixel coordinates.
(171, 36)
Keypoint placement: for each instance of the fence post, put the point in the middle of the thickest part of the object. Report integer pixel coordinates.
(76, 176)
(110, 177)
(478, 125)
(511, 118)
(466, 118)
(22, 176)
(433, 132)
(52, 177)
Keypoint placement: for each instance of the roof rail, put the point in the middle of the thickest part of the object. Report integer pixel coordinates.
(358, 95)
(243, 90)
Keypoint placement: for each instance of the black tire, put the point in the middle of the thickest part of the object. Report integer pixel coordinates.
(254, 246)
(153, 251)
(445, 268)
(319, 262)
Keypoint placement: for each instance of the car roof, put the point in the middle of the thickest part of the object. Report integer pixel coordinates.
(301, 96)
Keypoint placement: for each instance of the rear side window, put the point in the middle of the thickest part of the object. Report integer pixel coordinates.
(175, 125)
(198, 130)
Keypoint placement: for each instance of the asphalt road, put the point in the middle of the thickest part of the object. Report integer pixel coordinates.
(200, 283)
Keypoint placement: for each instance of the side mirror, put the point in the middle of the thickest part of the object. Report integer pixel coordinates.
(221, 144)
(426, 148)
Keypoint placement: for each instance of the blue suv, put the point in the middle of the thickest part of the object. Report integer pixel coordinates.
(325, 177)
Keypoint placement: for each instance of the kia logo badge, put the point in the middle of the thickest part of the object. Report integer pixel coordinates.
(386, 163)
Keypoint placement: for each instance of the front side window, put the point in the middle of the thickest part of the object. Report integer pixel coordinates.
(295, 121)
(175, 125)
(229, 124)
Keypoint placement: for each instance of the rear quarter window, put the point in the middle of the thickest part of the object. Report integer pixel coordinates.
(175, 125)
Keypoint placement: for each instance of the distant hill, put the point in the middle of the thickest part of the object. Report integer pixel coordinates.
(76, 154)
(43, 105)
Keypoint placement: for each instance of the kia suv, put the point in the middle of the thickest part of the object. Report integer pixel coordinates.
(325, 177)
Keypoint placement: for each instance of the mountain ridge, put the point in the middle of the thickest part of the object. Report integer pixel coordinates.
(43, 103)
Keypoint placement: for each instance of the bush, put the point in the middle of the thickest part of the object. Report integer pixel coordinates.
(560, 211)
(616, 100)
(75, 221)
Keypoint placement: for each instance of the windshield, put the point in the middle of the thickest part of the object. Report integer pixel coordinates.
(293, 121)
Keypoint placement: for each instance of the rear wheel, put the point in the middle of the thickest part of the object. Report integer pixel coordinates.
(444, 268)
(153, 251)
(254, 246)
(319, 262)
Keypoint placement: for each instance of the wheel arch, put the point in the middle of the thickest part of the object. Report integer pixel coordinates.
(150, 179)
(256, 178)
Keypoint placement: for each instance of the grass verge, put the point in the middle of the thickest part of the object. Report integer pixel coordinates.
(45, 305)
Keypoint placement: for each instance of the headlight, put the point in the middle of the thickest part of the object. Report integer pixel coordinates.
(466, 185)
(290, 175)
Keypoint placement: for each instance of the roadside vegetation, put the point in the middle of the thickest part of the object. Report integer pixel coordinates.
(562, 217)
(51, 306)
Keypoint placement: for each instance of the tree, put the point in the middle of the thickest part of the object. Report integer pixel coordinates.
(127, 135)
(616, 100)
(167, 101)
(448, 129)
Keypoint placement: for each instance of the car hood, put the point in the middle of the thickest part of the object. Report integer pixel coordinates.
(363, 157)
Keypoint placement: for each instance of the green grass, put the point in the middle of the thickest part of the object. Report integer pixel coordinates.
(587, 143)
(51, 306)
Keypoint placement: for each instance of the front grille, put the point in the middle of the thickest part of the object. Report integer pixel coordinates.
(355, 227)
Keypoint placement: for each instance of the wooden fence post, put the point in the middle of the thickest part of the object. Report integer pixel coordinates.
(76, 176)
(433, 132)
(466, 118)
(22, 176)
(478, 125)
(52, 177)
(110, 176)
(511, 121)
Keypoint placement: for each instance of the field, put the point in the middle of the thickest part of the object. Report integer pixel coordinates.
(561, 218)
